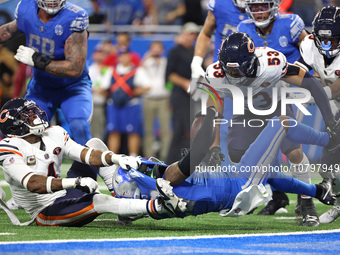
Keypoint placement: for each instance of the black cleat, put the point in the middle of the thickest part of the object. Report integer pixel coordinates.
(334, 141)
(279, 200)
(324, 192)
(309, 215)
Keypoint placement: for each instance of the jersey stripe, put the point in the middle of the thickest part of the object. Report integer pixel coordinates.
(6, 151)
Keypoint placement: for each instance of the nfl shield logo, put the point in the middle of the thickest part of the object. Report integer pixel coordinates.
(58, 30)
(12, 160)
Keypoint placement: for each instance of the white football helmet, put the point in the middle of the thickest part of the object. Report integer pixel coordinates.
(240, 3)
(51, 6)
(271, 6)
(124, 186)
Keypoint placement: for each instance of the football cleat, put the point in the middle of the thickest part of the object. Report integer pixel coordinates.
(334, 141)
(279, 200)
(168, 199)
(330, 215)
(309, 214)
(326, 196)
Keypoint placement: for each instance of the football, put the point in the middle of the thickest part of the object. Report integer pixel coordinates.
(195, 127)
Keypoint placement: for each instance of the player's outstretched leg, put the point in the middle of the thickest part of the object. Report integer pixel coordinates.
(168, 199)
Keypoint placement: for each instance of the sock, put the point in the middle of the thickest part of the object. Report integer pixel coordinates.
(301, 171)
(288, 184)
(304, 134)
(121, 206)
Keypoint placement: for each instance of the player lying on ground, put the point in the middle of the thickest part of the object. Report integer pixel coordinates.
(236, 192)
(31, 156)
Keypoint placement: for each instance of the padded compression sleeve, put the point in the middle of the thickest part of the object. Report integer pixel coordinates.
(321, 99)
(200, 145)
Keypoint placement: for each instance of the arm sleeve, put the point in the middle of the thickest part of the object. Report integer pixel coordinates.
(73, 150)
(15, 167)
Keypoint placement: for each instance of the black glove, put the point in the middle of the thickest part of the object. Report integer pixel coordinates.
(333, 125)
(215, 156)
(40, 62)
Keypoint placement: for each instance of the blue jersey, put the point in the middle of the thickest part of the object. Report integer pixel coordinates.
(283, 37)
(227, 17)
(49, 38)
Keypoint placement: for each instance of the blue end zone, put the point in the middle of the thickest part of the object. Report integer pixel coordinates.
(318, 242)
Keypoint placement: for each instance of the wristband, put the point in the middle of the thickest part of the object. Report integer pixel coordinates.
(115, 158)
(27, 178)
(49, 184)
(68, 183)
(87, 156)
(197, 60)
(103, 158)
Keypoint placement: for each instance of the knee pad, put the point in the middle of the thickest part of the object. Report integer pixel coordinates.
(80, 130)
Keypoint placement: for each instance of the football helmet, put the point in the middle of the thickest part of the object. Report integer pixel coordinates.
(326, 31)
(254, 7)
(124, 186)
(20, 117)
(237, 58)
(240, 3)
(51, 6)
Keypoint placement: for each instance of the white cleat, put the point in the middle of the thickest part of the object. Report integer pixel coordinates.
(330, 215)
(168, 199)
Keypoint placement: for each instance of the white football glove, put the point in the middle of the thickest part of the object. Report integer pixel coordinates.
(196, 68)
(128, 162)
(86, 184)
(24, 55)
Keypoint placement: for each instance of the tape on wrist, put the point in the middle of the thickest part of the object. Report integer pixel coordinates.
(87, 156)
(49, 184)
(27, 178)
(103, 158)
(68, 183)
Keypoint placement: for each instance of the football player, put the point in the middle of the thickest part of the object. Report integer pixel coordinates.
(56, 46)
(231, 192)
(31, 157)
(243, 65)
(320, 52)
(283, 33)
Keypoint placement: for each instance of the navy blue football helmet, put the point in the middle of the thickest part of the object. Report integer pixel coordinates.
(326, 31)
(20, 117)
(237, 57)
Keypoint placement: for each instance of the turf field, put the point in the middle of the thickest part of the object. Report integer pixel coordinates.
(209, 234)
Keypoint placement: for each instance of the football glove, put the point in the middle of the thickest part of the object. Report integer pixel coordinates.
(128, 162)
(196, 67)
(29, 57)
(215, 156)
(86, 184)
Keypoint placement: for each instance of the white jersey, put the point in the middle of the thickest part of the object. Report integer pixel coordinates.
(314, 59)
(272, 66)
(18, 158)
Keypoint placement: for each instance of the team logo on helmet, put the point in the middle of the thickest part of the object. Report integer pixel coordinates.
(251, 46)
(2, 117)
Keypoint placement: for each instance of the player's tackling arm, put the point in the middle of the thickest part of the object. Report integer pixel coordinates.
(8, 31)
(202, 45)
(75, 57)
(299, 77)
